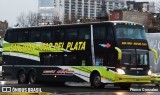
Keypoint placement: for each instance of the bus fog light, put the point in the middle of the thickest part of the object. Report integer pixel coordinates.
(120, 71)
(149, 72)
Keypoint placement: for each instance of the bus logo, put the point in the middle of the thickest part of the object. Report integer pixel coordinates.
(107, 45)
(58, 72)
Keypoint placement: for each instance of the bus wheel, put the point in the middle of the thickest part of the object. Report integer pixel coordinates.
(22, 78)
(96, 81)
(32, 77)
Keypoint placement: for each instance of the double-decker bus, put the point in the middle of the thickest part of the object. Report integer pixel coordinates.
(111, 52)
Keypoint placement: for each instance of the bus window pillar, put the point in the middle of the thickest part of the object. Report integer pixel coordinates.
(92, 47)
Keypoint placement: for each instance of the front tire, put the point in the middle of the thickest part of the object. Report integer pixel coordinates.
(96, 81)
(22, 78)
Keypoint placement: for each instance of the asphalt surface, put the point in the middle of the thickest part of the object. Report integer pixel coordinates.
(75, 89)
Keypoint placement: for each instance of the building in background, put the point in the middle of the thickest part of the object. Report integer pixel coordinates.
(140, 6)
(138, 17)
(3, 27)
(75, 9)
(46, 10)
(154, 23)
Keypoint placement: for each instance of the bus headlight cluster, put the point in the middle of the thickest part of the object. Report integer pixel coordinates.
(149, 72)
(120, 71)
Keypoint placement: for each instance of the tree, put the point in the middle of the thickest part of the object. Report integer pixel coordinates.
(22, 21)
(33, 19)
(30, 19)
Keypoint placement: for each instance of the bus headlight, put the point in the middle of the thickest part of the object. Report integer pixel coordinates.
(120, 71)
(149, 72)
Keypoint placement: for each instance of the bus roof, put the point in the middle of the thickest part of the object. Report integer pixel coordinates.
(75, 24)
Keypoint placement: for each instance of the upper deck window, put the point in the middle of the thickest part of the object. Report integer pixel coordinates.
(11, 36)
(84, 34)
(71, 34)
(99, 32)
(130, 32)
(22, 36)
(34, 36)
(46, 36)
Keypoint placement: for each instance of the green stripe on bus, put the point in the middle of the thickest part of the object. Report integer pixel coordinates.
(80, 69)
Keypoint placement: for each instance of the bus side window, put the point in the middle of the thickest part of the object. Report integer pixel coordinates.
(110, 33)
(51, 59)
(34, 36)
(11, 36)
(84, 34)
(46, 36)
(57, 59)
(84, 59)
(70, 60)
(58, 34)
(22, 36)
(99, 32)
(71, 34)
(46, 59)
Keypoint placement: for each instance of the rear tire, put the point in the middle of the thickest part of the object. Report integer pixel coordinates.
(22, 78)
(96, 81)
(32, 77)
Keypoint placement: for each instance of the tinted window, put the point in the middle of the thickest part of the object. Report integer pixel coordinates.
(59, 35)
(99, 32)
(22, 36)
(11, 36)
(65, 59)
(84, 34)
(110, 33)
(46, 36)
(71, 34)
(57, 59)
(51, 59)
(70, 60)
(34, 36)
(84, 59)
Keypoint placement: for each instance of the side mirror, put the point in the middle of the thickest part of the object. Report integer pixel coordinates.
(155, 53)
(119, 53)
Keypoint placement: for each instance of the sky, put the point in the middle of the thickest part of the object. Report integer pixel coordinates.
(11, 9)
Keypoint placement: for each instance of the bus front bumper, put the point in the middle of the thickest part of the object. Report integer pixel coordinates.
(155, 78)
(132, 79)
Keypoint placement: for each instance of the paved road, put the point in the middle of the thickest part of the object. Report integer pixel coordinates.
(77, 89)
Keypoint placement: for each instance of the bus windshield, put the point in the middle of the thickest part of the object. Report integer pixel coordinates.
(130, 32)
(132, 57)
